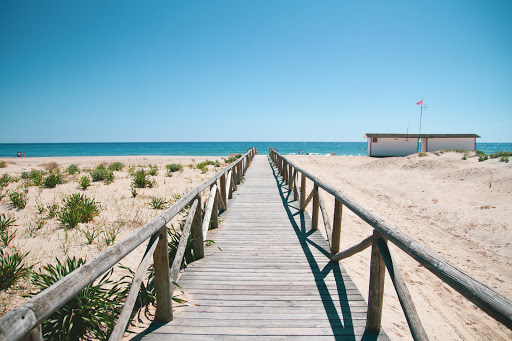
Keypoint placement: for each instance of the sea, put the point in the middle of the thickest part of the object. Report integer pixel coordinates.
(197, 148)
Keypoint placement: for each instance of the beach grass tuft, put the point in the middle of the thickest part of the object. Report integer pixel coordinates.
(141, 179)
(12, 268)
(91, 314)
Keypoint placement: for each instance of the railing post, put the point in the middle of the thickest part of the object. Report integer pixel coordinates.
(222, 189)
(376, 289)
(302, 189)
(291, 183)
(285, 172)
(214, 221)
(162, 280)
(316, 208)
(197, 231)
(336, 228)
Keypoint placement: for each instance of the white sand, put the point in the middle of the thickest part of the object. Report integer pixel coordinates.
(460, 209)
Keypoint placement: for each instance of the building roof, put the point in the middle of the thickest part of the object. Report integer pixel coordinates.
(369, 135)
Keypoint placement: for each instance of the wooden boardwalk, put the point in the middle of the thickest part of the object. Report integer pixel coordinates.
(271, 279)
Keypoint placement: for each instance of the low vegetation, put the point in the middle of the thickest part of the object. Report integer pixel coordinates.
(72, 169)
(101, 173)
(35, 176)
(116, 166)
(84, 182)
(153, 170)
(158, 203)
(77, 208)
(141, 179)
(3, 164)
(18, 199)
(52, 180)
(173, 167)
(12, 268)
(232, 158)
(91, 314)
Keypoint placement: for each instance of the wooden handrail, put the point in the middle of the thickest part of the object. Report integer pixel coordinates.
(21, 320)
(494, 304)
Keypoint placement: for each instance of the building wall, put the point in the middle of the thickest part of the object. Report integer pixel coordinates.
(392, 147)
(434, 144)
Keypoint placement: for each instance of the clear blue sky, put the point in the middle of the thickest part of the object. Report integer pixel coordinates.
(101, 71)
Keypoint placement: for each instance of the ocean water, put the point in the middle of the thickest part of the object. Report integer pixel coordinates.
(197, 148)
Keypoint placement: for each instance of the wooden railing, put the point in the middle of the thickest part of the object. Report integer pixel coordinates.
(24, 321)
(497, 306)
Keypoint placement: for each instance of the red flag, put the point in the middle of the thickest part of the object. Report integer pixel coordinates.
(420, 102)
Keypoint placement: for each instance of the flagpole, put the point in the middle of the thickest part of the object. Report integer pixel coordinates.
(421, 113)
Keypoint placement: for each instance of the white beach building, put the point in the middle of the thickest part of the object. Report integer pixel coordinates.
(407, 144)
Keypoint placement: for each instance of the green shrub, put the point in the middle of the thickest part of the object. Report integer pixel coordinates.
(100, 173)
(504, 159)
(6, 236)
(153, 170)
(73, 169)
(173, 167)
(134, 192)
(3, 164)
(217, 163)
(500, 154)
(84, 182)
(77, 208)
(141, 179)
(36, 176)
(116, 166)
(158, 203)
(232, 158)
(53, 210)
(6, 222)
(91, 314)
(482, 157)
(52, 180)
(4, 180)
(12, 268)
(90, 234)
(479, 153)
(18, 200)
(202, 166)
(422, 154)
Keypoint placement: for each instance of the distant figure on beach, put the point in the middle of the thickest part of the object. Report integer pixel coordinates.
(24, 155)
(299, 151)
(18, 154)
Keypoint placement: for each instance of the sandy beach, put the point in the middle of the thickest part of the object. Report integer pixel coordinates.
(460, 209)
(120, 212)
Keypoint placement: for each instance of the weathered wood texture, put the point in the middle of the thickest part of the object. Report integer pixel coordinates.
(272, 279)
